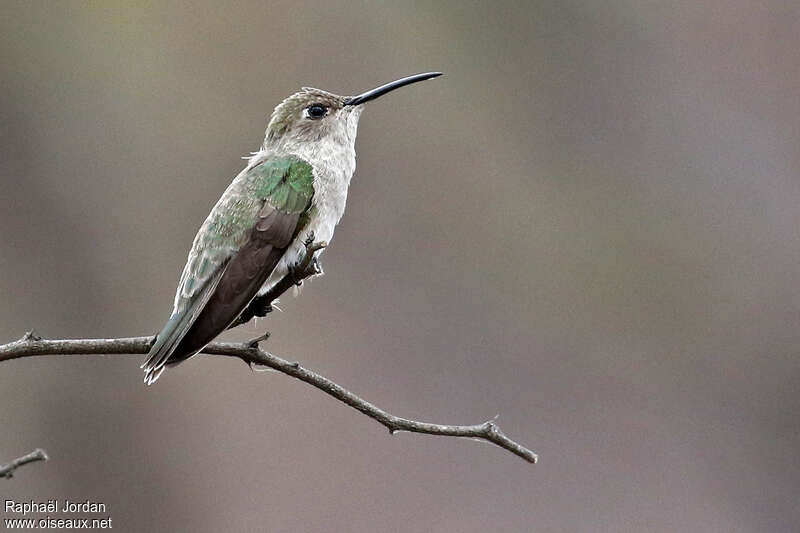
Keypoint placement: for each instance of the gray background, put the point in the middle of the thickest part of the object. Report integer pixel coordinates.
(589, 225)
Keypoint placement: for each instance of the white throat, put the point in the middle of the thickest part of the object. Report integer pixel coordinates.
(333, 160)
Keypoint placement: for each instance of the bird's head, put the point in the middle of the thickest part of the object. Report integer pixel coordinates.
(312, 115)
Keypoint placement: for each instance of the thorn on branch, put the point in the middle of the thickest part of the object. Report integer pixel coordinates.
(31, 336)
(253, 343)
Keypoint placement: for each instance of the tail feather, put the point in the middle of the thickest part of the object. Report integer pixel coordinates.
(175, 330)
(165, 345)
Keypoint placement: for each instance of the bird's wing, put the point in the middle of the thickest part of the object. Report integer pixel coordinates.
(234, 252)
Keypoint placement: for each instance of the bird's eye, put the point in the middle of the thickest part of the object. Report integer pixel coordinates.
(316, 110)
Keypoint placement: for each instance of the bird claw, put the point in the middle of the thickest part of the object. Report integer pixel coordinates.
(314, 246)
(316, 266)
(260, 308)
(309, 265)
(296, 273)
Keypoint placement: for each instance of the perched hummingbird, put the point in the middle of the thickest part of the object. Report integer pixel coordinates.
(294, 186)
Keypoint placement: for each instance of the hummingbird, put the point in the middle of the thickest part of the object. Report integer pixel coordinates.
(294, 187)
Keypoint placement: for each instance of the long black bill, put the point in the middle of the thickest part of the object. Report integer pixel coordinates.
(383, 89)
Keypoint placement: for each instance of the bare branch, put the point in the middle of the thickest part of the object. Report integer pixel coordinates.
(32, 345)
(7, 471)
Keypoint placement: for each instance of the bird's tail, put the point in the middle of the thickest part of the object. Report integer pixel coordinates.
(167, 342)
(165, 345)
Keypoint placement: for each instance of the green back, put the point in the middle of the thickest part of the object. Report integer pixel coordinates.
(285, 183)
(280, 187)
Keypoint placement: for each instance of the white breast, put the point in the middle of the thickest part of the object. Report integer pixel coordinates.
(333, 162)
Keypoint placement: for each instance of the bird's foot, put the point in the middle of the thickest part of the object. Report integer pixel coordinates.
(311, 248)
(296, 272)
(316, 267)
(309, 265)
(260, 307)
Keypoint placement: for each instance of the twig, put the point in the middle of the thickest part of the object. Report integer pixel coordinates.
(7, 471)
(33, 345)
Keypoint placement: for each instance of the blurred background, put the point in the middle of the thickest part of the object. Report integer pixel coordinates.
(589, 225)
